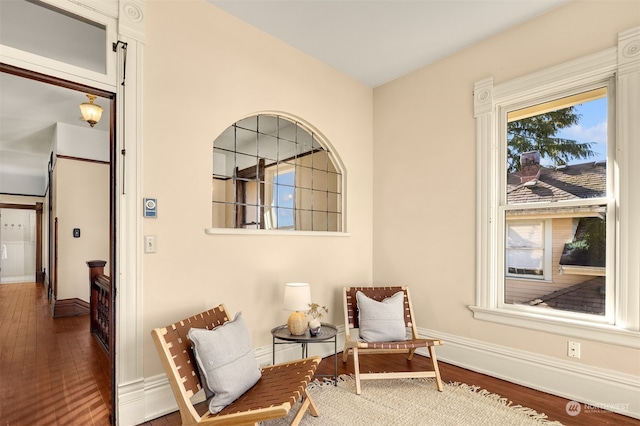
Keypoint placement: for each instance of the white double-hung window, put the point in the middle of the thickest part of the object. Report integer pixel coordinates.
(557, 197)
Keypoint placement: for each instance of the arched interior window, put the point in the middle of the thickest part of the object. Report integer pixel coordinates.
(274, 173)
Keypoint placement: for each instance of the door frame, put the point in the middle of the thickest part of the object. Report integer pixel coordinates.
(111, 97)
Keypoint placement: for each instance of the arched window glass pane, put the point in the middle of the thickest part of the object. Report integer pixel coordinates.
(271, 172)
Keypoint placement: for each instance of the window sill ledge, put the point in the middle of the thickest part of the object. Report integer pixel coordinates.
(233, 231)
(604, 333)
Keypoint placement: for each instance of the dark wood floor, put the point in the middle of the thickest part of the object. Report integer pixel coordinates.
(53, 372)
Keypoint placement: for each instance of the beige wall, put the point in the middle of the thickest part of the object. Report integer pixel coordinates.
(204, 70)
(82, 201)
(424, 174)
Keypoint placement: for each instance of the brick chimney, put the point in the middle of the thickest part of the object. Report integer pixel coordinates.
(529, 166)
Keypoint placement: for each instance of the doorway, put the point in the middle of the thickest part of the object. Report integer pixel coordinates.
(21, 243)
(17, 245)
(45, 255)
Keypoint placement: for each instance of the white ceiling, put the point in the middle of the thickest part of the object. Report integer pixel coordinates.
(372, 41)
(378, 41)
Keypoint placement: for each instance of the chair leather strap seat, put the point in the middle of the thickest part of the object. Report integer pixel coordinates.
(278, 385)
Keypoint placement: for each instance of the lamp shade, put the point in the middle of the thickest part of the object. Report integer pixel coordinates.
(91, 113)
(297, 296)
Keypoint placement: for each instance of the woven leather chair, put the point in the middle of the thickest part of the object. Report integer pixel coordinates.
(273, 396)
(356, 347)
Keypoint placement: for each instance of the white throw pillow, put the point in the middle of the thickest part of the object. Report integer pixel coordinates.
(381, 321)
(225, 359)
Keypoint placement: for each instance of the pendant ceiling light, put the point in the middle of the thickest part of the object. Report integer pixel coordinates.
(91, 112)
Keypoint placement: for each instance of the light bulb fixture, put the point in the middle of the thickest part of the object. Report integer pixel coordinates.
(297, 297)
(91, 113)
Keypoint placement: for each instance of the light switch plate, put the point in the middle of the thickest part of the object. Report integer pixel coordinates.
(149, 243)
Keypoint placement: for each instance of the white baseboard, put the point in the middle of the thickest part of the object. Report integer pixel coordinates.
(599, 388)
(132, 398)
(596, 387)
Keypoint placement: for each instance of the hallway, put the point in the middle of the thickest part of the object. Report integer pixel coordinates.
(52, 371)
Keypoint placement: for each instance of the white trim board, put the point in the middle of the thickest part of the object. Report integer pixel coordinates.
(589, 385)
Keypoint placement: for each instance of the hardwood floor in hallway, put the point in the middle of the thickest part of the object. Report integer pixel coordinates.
(52, 371)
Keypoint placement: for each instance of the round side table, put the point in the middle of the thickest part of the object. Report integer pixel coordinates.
(328, 333)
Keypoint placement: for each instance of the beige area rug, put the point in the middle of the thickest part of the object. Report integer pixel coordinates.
(412, 402)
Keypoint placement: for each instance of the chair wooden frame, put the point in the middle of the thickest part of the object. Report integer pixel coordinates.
(272, 397)
(356, 347)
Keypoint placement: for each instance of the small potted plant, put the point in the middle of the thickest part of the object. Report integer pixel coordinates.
(317, 312)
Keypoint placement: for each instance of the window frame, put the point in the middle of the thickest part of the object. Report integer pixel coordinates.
(621, 65)
(550, 95)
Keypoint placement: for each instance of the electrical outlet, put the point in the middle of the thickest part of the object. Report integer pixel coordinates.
(573, 349)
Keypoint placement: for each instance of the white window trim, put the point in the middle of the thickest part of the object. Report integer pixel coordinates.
(623, 64)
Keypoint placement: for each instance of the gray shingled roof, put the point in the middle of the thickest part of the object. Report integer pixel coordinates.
(586, 180)
(587, 297)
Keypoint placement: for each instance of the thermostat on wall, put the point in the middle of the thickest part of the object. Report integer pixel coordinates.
(150, 207)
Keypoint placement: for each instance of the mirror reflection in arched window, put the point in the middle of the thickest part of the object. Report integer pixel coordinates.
(272, 172)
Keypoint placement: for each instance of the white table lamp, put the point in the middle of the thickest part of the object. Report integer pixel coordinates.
(297, 297)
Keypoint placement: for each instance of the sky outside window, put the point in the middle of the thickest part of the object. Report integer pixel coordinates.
(591, 128)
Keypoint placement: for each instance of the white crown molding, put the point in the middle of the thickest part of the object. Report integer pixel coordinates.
(596, 66)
